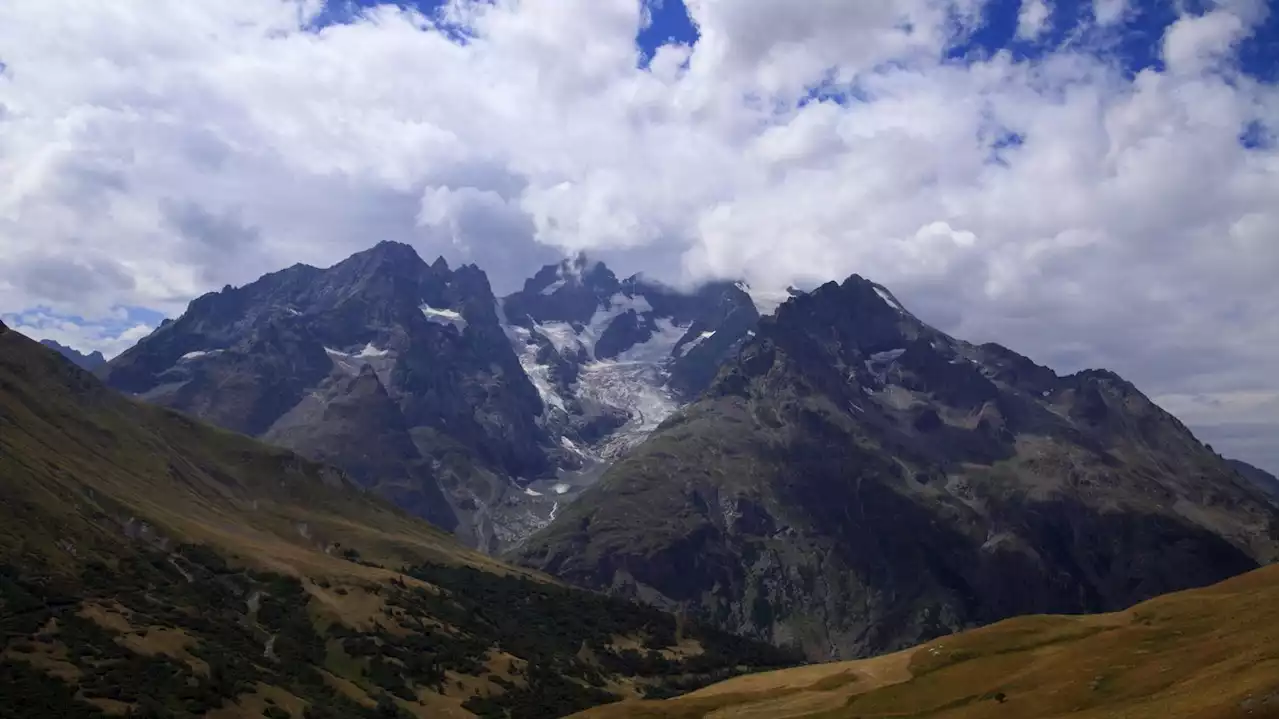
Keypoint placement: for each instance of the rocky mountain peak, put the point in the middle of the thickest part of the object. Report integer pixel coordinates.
(90, 361)
(569, 291)
(390, 251)
(847, 332)
(856, 481)
(378, 353)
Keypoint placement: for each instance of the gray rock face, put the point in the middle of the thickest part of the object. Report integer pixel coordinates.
(855, 481)
(396, 370)
(89, 362)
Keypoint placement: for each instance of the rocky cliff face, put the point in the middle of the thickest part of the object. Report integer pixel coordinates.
(396, 370)
(855, 481)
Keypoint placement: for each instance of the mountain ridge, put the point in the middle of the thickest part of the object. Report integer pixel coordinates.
(481, 414)
(856, 481)
(1260, 478)
(262, 358)
(86, 361)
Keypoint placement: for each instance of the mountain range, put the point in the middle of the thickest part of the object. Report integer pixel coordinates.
(855, 481)
(483, 415)
(90, 361)
(816, 469)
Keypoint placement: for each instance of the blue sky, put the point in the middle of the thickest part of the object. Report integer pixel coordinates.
(1135, 40)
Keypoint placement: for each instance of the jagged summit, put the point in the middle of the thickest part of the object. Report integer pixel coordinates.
(856, 481)
(283, 358)
(89, 361)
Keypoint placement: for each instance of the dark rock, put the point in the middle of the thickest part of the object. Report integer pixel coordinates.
(347, 363)
(90, 361)
(880, 483)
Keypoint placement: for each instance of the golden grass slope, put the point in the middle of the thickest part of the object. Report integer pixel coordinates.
(1208, 653)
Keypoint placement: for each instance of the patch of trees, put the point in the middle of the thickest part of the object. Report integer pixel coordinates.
(254, 627)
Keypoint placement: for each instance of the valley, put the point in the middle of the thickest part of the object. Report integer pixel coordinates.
(590, 493)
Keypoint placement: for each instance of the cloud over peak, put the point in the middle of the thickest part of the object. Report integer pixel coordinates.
(1040, 191)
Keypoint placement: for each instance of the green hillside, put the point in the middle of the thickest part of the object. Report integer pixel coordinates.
(153, 566)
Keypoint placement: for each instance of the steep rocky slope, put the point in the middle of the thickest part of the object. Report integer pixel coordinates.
(396, 370)
(856, 481)
(154, 566)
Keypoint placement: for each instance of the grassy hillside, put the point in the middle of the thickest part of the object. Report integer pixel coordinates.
(153, 566)
(1205, 653)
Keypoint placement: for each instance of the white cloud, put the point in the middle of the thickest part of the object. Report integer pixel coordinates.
(153, 150)
(1109, 12)
(1194, 43)
(110, 338)
(1033, 18)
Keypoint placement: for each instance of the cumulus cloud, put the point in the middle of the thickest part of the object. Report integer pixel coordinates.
(1086, 215)
(111, 335)
(1033, 18)
(1109, 12)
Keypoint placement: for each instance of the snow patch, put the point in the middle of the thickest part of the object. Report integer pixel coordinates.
(604, 316)
(888, 299)
(444, 317)
(538, 374)
(875, 364)
(371, 351)
(198, 354)
(660, 346)
(561, 488)
(887, 355)
(696, 341)
(569, 445)
(561, 335)
(551, 288)
(532, 492)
